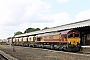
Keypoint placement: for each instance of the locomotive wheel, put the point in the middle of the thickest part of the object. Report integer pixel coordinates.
(60, 49)
(78, 49)
(33, 46)
(37, 45)
(42, 46)
(69, 49)
(51, 47)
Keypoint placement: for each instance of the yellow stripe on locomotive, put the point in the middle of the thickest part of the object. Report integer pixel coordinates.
(73, 41)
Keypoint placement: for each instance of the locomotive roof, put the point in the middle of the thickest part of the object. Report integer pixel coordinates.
(55, 33)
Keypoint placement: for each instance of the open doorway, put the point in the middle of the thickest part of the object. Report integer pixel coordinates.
(83, 39)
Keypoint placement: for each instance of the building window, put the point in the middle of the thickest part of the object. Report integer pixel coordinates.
(30, 39)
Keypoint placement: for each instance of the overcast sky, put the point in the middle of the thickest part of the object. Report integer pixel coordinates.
(17, 15)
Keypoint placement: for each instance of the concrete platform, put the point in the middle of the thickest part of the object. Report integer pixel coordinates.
(85, 46)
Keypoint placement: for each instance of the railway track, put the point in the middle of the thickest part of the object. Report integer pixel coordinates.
(84, 53)
(2, 57)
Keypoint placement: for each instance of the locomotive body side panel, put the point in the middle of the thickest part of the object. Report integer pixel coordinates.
(52, 38)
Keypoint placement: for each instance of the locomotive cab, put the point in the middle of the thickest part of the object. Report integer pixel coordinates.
(73, 39)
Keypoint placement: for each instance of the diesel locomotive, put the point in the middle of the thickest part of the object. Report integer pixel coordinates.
(68, 40)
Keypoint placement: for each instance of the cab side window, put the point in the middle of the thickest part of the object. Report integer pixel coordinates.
(70, 35)
(76, 35)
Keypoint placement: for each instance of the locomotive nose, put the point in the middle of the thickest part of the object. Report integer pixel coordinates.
(73, 41)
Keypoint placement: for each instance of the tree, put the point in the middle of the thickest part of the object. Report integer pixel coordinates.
(45, 28)
(31, 30)
(37, 29)
(18, 33)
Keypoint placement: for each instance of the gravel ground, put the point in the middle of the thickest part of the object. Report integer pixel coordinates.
(28, 53)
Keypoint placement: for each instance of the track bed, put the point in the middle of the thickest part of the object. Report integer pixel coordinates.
(28, 53)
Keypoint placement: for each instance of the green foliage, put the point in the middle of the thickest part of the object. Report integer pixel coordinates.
(37, 29)
(45, 28)
(31, 30)
(18, 33)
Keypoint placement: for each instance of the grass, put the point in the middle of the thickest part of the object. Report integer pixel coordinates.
(5, 46)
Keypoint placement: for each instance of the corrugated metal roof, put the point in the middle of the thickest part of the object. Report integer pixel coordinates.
(62, 27)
